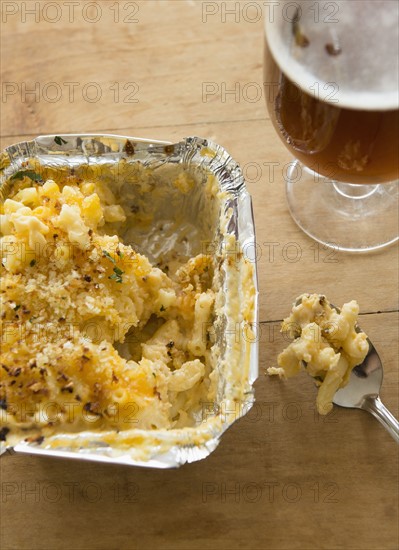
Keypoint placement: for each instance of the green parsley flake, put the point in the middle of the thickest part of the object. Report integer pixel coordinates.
(27, 174)
(117, 275)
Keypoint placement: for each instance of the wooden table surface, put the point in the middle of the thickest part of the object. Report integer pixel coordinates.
(282, 477)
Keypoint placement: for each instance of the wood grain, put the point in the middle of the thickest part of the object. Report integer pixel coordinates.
(282, 478)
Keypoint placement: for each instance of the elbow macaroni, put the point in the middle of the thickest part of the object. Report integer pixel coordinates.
(325, 342)
(89, 325)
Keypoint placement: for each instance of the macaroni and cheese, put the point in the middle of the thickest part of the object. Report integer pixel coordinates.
(94, 335)
(326, 343)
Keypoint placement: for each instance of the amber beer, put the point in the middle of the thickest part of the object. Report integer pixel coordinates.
(334, 130)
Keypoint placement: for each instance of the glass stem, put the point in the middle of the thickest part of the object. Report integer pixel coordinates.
(354, 190)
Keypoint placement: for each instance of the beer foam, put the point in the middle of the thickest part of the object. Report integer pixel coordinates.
(361, 71)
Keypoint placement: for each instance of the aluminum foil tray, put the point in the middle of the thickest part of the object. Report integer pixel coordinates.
(238, 362)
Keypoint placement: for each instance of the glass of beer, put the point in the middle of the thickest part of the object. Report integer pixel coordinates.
(331, 84)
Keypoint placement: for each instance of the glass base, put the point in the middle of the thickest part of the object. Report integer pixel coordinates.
(343, 216)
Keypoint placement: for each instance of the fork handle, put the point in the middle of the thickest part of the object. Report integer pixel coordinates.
(375, 406)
